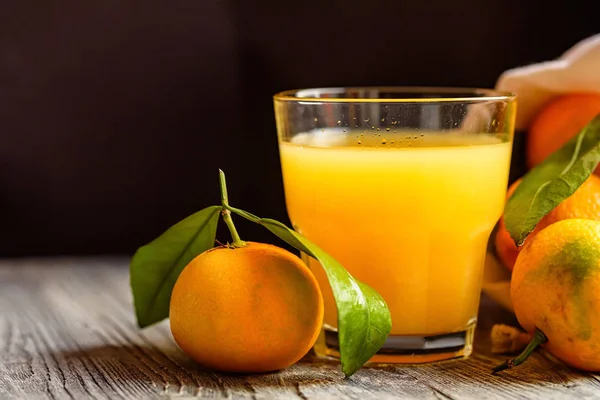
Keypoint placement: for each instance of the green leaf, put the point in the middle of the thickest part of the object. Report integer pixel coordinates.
(364, 321)
(556, 178)
(156, 266)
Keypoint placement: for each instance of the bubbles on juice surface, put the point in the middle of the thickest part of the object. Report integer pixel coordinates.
(373, 137)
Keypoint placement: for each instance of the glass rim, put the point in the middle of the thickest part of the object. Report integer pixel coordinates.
(458, 94)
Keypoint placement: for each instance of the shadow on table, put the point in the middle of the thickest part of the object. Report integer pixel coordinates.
(140, 363)
(129, 367)
(158, 364)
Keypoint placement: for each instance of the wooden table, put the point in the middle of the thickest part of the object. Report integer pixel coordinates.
(67, 331)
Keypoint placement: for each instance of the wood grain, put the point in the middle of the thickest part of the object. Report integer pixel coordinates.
(67, 331)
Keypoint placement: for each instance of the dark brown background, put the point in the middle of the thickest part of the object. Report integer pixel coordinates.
(116, 114)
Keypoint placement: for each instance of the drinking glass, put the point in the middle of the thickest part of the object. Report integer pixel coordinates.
(402, 186)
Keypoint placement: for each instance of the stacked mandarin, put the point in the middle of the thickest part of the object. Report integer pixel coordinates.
(555, 271)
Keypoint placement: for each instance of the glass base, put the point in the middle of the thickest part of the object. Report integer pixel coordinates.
(401, 349)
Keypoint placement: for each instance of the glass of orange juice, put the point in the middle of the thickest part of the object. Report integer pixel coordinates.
(402, 186)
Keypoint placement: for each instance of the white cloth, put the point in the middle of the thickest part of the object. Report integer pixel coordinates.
(577, 70)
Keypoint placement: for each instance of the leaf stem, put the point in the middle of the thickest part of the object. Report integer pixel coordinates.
(538, 338)
(237, 242)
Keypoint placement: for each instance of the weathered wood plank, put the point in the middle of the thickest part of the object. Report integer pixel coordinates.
(67, 331)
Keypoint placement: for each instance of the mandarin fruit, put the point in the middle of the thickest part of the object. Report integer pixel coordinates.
(555, 288)
(256, 308)
(558, 122)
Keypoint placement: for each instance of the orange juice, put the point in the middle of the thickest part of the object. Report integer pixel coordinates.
(410, 215)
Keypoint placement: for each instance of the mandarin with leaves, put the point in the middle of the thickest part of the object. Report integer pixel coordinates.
(250, 307)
